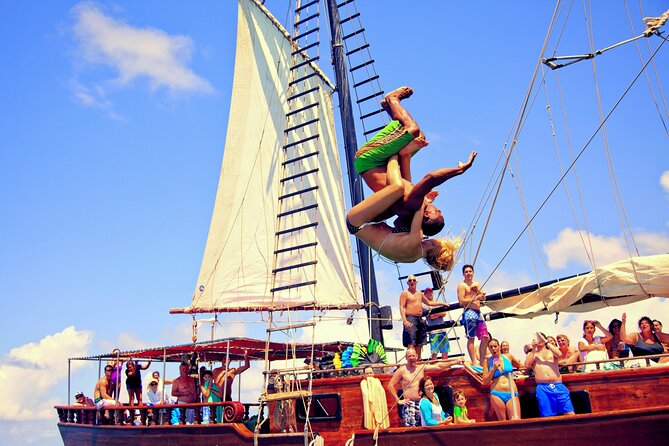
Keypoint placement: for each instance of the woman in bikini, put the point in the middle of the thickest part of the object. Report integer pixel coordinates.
(393, 243)
(647, 341)
(496, 369)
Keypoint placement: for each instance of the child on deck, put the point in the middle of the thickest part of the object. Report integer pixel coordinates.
(460, 410)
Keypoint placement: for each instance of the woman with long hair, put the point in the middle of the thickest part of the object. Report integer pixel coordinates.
(431, 413)
(503, 393)
(593, 348)
(616, 347)
(394, 243)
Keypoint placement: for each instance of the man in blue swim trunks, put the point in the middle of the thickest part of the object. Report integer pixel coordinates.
(470, 298)
(553, 397)
(403, 137)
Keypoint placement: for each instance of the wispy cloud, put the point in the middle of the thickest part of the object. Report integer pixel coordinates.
(664, 181)
(29, 372)
(568, 247)
(132, 53)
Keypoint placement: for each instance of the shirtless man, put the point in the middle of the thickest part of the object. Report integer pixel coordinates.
(414, 334)
(553, 397)
(103, 390)
(404, 138)
(183, 389)
(224, 381)
(470, 297)
(408, 376)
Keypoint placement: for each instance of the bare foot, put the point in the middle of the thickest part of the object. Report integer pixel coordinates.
(414, 146)
(399, 93)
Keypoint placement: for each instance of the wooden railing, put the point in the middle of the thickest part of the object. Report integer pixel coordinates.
(162, 414)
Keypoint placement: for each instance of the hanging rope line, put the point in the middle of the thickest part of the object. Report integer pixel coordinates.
(573, 163)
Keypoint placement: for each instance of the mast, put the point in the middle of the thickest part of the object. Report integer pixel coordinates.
(368, 278)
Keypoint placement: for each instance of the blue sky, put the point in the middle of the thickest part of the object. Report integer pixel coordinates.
(113, 129)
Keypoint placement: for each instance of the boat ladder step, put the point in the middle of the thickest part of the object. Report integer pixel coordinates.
(282, 396)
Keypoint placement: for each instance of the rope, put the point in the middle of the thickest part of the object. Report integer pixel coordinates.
(650, 87)
(587, 144)
(517, 132)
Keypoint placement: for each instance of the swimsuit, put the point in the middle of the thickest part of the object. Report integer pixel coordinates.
(376, 152)
(438, 338)
(504, 396)
(642, 348)
(508, 368)
(553, 399)
(474, 323)
(416, 334)
(355, 229)
(411, 413)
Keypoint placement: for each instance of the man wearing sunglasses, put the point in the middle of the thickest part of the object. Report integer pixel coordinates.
(414, 334)
(103, 389)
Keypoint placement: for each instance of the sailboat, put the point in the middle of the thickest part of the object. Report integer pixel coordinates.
(278, 245)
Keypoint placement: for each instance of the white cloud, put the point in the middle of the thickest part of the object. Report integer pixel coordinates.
(664, 180)
(132, 53)
(29, 372)
(568, 247)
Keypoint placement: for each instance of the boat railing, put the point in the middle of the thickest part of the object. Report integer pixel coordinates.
(622, 363)
(156, 415)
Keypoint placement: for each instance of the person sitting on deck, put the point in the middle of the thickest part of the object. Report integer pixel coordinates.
(404, 247)
(593, 348)
(82, 400)
(408, 377)
(497, 369)
(224, 380)
(102, 390)
(615, 346)
(657, 328)
(568, 355)
(646, 342)
(375, 406)
(403, 137)
(460, 408)
(431, 413)
(552, 396)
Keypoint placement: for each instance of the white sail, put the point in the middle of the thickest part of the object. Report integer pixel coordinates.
(620, 283)
(236, 272)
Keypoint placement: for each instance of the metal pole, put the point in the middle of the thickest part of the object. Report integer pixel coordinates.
(369, 291)
(69, 385)
(227, 362)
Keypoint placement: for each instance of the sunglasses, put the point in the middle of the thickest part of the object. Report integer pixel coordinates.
(154, 384)
(411, 280)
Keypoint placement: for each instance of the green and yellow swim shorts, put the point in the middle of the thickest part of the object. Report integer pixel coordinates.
(377, 151)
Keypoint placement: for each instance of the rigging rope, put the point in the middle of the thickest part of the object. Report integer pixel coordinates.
(587, 144)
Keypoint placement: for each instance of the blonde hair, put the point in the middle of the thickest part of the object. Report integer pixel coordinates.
(443, 256)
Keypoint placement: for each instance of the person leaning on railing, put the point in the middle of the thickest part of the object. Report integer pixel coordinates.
(646, 342)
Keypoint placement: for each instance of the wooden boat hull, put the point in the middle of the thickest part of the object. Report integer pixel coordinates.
(232, 434)
(621, 428)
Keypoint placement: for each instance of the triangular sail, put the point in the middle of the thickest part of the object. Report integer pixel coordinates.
(238, 264)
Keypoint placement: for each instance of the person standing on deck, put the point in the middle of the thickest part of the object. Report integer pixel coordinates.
(408, 376)
(183, 389)
(414, 334)
(553, 397)
(220, 375)
(470, 298)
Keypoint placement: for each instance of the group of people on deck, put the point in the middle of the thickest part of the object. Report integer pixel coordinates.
(206, 386)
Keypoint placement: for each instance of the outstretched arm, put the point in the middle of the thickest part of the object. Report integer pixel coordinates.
(433, 179)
